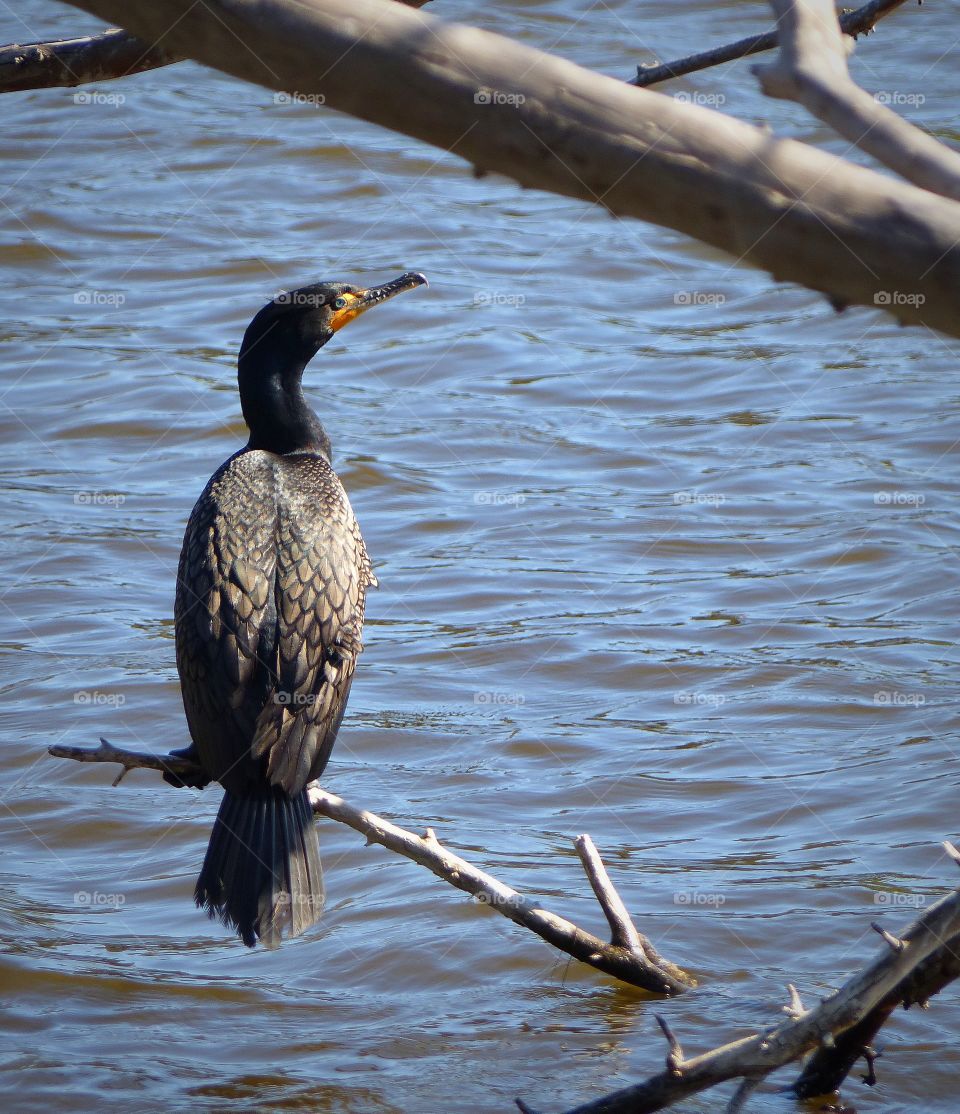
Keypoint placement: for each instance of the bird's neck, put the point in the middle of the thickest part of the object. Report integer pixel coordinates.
(275, 410)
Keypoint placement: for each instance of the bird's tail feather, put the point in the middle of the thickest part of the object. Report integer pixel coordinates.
(262, 874)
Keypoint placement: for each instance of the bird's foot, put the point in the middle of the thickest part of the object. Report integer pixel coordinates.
(199, 780)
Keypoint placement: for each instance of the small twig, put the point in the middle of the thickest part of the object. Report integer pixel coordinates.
(794, 1008)
(854, 23)
(951, 851)
(675, 1055)
(128, 759)
(623, 932)
(871, 1055)
(640, 968)
(635, 967)
(893, 942)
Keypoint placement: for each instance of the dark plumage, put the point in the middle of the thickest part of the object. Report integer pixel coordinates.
(269, 612)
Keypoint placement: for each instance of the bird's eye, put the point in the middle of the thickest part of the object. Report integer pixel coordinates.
(339, 303)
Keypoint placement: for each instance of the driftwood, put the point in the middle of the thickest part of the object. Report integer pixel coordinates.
(812, 70)
(926, 952)
(116, 54)
(629, 956)
(804, 231)
(854, 23)
(803, 215)
(71, 62)
(829, 1066)
(911, 968)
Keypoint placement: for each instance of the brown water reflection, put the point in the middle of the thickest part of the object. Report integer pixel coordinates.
(682, 577)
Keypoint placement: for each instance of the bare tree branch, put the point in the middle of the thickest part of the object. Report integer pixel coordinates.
(641, 967)
(128, 759)
(632, 966)
(802, 214)
(70, 62)
(675, 1061)
(812, 70)
(858, 22)
(828, 1067)
(931, 944)
(115, 54)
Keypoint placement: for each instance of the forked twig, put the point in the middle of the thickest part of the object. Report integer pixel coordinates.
(638, 965)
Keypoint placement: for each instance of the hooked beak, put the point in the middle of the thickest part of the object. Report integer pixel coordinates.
(363, 300)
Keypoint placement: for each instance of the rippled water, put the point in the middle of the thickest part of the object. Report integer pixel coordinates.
(667, 554)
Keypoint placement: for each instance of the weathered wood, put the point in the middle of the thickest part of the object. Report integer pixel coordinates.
(812, 70)
(71, 62)
(623, 932)
(91, 58)
(128, 759)
(115, 54)
(930, 944)
(640, 967)
(629, 965)
(828, 1067)
(801, 214)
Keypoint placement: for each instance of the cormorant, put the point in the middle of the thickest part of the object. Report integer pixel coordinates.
(270, 595)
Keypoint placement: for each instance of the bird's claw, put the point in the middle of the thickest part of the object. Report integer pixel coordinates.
(198, 780)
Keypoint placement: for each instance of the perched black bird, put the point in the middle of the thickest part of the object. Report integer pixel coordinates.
(270, 596)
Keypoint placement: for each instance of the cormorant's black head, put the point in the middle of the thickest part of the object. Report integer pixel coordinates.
(279, 343)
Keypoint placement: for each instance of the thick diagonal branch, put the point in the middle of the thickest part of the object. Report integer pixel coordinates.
(931, 943)
(642, 968)
(829, 1066)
